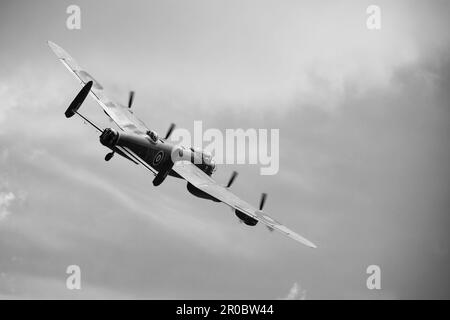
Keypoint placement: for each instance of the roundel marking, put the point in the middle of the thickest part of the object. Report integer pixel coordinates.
(158, 158)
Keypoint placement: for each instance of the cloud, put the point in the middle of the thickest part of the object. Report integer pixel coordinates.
(20, 286)
(28, 88)
(296, 293)
(188, 225)
(6, 198)
(362, 121)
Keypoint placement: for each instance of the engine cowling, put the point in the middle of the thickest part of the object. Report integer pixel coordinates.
(203, 160)
(109, 138)
(245, 218)
(199, 193)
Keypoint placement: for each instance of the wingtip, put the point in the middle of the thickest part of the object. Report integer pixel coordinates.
(58, 51)
(309, 244)
(305, 241)
(52, 46)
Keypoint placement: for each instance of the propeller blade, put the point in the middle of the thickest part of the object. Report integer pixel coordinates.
(263, 200)
(130, 99)
(79, 99)
(169, 132)
(233, 176)
(109, 156)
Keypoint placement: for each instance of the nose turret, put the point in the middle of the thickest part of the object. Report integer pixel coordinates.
(109, 137)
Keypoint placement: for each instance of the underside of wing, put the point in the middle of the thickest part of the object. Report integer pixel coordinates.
(121, 115)
(202, 181)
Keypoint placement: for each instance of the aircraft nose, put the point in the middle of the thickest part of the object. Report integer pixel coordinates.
(109, 137)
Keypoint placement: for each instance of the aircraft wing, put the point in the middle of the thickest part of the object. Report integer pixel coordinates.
(121, 115)
(202, 181)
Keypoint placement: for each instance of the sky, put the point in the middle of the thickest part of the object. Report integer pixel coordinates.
(364, 151)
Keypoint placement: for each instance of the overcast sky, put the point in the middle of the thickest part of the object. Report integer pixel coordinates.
(364, 149)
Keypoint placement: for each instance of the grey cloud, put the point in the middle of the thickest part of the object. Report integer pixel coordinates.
(6, 198)
(363, 124)
(296, 293)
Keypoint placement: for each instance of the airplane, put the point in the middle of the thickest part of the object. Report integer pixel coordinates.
(137, 143)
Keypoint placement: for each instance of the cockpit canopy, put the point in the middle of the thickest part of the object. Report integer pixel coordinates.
(206, 159)
(153, 135)
(204, 155)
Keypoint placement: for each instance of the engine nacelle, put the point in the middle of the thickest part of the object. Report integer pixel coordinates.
(199, 193)
(200, 158)
(245, 218)
(109, 138)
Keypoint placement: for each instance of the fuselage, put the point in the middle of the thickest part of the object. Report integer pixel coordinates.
(160, 155)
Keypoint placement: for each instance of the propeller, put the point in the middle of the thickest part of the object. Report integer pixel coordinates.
(233, 176)
(109, 156)
(169, 132)
(261, 206)
(263, 200)
(130, 99)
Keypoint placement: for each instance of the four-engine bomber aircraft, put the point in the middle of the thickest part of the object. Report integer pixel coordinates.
(142, 146)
